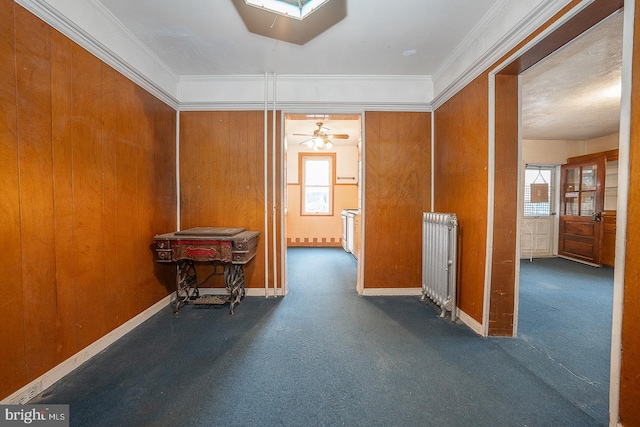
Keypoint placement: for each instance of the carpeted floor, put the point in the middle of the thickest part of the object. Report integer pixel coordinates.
(564, 330)
(321, 356)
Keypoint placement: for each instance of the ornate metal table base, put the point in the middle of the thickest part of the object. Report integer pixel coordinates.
(187, 287)
(228, 247)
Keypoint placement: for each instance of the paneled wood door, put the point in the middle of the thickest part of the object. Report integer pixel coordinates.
(581, 205)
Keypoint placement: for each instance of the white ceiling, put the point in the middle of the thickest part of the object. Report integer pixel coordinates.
(575, 93)
(209, 38)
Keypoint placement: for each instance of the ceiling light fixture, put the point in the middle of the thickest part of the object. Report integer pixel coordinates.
(319, 144)
(297, 9)
(319, 139)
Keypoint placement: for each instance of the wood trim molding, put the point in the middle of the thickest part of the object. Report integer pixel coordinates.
(609, 156)
(301, 157)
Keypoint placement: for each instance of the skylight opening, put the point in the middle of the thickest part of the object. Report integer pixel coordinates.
(297, 9)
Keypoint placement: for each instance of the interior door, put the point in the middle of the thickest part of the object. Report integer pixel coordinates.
(537, 231)
(582, 202)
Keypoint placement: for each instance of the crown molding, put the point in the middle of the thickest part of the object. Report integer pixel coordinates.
(470, 39)
(528, 24)
(335, 92)
(324, 107)
(146, 59)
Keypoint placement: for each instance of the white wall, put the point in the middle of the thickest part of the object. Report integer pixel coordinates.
(556, 152)
(346, 163)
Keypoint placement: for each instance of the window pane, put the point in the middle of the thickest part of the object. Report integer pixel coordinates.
(316, 199)
(571, 203)
(588, 203)
(317, 172)
(589, 178)
(537, 207)
(573, 178)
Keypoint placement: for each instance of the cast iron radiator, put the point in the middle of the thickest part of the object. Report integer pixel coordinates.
(439, 260)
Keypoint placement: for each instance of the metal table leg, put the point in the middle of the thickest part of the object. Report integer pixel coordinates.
(186, 284)
(234, 281)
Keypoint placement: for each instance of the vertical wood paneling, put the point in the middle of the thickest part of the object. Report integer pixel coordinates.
(222, 179)
(164, 188)
(86, 140)
(189, 139)
(630, 364)
(144, 188)
(398, 173)
(63, 188)
(461, 186)
(210, 161)
(79, 154)
(503, 267)
(112, 294)
(126, 193)
(12, 330)
(33, 49)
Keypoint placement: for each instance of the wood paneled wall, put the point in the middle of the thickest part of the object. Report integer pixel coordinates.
(222, 181)
(505, 208)
(461, 184)
(397, 191)
(461, 144)
(630, 369)
(87, 169)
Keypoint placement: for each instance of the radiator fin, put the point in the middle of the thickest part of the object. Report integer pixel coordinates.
(439, 260)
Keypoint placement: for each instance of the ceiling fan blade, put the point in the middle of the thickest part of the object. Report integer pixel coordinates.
(338, 136)
(303, 134)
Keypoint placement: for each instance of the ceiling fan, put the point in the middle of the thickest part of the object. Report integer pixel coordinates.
(320, 139)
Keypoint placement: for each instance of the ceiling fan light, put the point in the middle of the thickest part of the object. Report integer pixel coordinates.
(328, 145)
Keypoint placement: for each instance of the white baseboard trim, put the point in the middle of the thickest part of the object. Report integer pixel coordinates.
(472, 323)
(370, 292)
(49, 378)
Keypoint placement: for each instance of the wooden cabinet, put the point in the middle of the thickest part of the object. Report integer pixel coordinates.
(588, 187)
(581, 206)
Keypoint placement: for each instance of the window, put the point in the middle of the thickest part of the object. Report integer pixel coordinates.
(538, 176)
(317, 172)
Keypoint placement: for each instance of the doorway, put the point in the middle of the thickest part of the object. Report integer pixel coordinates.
(539, 211)
(543, 287)
(322, 179)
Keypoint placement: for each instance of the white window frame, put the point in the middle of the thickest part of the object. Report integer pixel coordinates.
(304, 157)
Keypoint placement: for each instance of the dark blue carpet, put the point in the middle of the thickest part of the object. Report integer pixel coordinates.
(321, 356)
(564, 331)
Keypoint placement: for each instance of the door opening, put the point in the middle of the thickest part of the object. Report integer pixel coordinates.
(560, 303)
(323, 180)
(538, 228)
